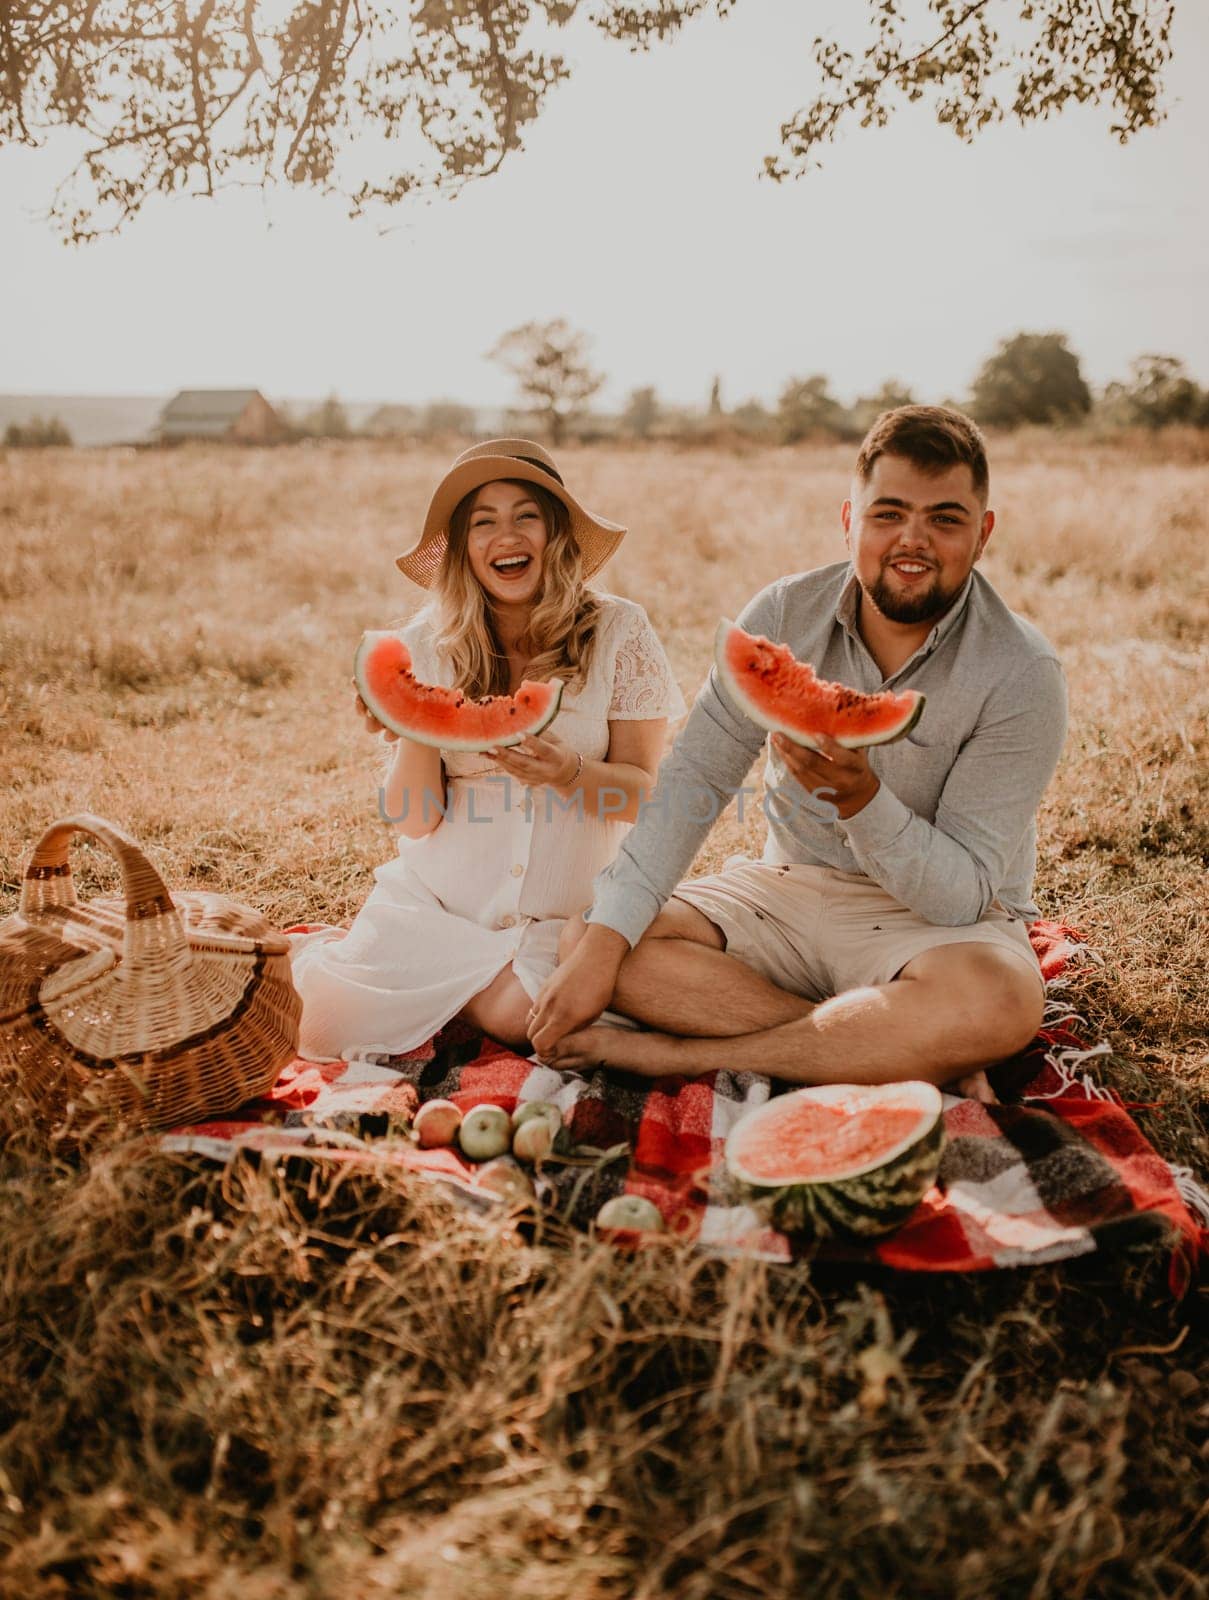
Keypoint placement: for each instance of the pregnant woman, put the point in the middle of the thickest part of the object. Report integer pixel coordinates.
(496, 850)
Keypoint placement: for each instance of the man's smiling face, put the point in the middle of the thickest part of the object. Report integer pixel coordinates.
(914, 537)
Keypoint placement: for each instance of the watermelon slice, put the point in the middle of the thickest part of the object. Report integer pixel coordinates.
(783, 695)
(841, 1159)
(446, 718)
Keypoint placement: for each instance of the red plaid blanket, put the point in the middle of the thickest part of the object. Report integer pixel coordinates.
(1059, 1169)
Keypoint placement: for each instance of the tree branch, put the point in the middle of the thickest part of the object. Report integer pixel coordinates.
(867, 90)
(196, 34)
(266, 89)
(327, 56)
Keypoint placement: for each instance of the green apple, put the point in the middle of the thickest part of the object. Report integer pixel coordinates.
(534, 1139)
(535, 1108)
(632, 1212)
(485, 1132)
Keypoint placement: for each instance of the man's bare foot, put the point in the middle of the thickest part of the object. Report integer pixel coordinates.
(658, 1055)
(975, 1086)
(653, 1054)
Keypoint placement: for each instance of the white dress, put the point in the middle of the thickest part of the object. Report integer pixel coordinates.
(495, 880)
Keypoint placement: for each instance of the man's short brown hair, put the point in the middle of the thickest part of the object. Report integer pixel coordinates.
(931, 438)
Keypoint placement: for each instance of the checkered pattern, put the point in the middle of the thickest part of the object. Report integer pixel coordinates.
(1059, 1170)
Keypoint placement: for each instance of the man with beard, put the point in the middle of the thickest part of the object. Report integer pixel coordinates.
(883, 934)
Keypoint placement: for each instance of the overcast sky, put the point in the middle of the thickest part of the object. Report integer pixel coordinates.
(636, 212)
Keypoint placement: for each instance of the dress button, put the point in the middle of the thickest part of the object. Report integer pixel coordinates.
(518, 871)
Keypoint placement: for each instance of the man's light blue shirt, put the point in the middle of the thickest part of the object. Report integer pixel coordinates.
(953, 825)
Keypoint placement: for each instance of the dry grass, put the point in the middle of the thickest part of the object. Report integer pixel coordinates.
(302, 1384)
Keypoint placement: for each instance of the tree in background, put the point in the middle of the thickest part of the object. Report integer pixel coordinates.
(1032, 377)
(754, 420)
(37, 433)
(641, 413)
(1158, 392)
(806, 406)
(549, 361)
(166, 99)
(327, 421)
(447, 416)
(868, 408)
(715, 398)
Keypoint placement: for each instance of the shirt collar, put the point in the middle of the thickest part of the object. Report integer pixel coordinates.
(846, 606)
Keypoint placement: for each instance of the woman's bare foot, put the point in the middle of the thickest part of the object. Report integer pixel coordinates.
(975, 1086)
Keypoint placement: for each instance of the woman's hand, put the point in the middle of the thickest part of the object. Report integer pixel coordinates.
(537, 760)
(371, 722)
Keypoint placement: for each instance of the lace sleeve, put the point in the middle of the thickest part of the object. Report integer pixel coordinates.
(643, 685)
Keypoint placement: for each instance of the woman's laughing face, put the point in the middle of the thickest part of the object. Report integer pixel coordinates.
(507, 536)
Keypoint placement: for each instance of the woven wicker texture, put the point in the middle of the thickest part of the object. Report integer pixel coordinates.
(151, 1010)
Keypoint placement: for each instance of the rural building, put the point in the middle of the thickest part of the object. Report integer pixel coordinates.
(237, 416)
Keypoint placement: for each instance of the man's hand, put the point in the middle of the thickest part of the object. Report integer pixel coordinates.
(580, 989)
(841, 777)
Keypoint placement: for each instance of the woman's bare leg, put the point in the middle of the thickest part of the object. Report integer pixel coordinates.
(501, 1011)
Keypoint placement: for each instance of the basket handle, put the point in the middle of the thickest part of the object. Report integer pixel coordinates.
(48, 880)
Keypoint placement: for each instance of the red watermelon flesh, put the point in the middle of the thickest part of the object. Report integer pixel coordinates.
(833, 1139)
(785, 696)
(446, 718)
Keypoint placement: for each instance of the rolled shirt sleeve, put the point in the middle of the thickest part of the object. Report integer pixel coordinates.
(705, 768)
(949, 872)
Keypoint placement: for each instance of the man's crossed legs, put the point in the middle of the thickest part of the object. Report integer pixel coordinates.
(824, 978)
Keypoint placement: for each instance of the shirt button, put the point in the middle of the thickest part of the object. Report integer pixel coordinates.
(518, 870)
(507, 922)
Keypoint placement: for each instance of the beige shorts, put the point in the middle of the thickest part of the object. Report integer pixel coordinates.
(817, 931)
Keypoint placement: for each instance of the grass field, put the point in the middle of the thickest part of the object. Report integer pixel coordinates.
(268, 1385)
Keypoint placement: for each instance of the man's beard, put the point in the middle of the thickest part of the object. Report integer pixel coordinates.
(923, 606)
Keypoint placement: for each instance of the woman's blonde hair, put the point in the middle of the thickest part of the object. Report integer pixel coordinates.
(562, 626)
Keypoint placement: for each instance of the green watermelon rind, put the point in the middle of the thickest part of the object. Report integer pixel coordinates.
(872, 1201)
(443, 741)
(783, 725)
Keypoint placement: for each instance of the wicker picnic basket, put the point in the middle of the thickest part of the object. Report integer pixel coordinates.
(147, 1010)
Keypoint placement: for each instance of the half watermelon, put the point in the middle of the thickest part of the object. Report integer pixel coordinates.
(442, 717)
(783, 695)
(841, 1159)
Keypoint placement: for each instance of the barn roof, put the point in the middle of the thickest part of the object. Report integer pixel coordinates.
(208, 405)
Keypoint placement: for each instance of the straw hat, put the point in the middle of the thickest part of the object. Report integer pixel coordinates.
(516, 459)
